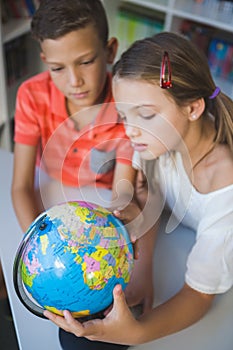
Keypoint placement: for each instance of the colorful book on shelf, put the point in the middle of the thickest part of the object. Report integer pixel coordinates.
(220, 57)
(13, 8)
(132, 26)
(30, 6)
(22, 7)
(18, 9)
(199, 34)
(122, 30)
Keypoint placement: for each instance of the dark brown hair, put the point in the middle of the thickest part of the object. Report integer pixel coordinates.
(191, 77)
(56, 18)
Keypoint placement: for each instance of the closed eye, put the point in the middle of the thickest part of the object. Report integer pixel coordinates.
(147, 117)
(58, 69)
(89, 61)
(146, 112)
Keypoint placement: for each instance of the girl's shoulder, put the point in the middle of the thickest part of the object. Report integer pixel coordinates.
(223, 174)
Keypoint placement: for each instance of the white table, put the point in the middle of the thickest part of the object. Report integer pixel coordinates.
(213, 332)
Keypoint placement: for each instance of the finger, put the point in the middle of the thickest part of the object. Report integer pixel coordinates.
(58, 320)
(120, 214)
(67, 322)
(51, 316)
(140, 176)
(135, 249)
(119, 302)
(141, 180)
(106, 312)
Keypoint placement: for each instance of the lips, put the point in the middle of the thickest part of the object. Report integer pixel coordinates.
(140, 147)
(80, 95)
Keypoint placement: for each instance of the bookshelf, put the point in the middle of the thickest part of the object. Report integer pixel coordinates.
(19, 59)
(214, 16)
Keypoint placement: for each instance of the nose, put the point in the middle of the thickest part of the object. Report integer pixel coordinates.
(132, 130)
(75, 77)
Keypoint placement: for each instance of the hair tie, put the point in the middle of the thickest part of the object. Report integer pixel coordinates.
(215, 93)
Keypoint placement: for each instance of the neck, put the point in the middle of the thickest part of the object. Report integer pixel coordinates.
(199, 143)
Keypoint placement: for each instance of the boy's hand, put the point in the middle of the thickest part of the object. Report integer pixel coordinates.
(140, 288)
(110, 329)
(141, 189)
(139, 215)
(131, 216)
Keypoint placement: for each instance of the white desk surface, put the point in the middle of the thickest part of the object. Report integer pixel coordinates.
(213, 332)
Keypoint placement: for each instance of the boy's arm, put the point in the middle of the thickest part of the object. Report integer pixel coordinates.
(23, 194)
(123, 185)
(119, 326)
(124, 203)
(142, 220)
(140, 290)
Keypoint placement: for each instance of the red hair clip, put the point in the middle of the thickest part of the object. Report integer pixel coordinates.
(165, 83)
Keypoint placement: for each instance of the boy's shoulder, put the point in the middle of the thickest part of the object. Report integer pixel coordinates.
(42, 79)
(40, 87)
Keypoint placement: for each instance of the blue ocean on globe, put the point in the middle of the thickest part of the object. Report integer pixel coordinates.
(72, 256)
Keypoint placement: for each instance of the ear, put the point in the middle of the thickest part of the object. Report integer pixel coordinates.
(112, 47)
(42, 57)
(196, 109)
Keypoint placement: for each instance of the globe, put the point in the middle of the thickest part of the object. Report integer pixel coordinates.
(71, 257)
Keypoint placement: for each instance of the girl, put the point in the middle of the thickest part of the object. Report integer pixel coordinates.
(181, 127)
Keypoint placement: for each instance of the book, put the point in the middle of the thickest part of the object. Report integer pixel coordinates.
(132, 25)
(30, 6)
(13, 9)
(220, 58)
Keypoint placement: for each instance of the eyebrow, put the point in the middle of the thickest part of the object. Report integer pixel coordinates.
(84, 56)
(136, 107)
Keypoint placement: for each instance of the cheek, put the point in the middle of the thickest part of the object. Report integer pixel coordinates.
(59, 81)
(164, 133)
(156, 142)
(97, 75)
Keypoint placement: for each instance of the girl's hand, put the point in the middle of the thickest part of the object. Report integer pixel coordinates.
(111, 329)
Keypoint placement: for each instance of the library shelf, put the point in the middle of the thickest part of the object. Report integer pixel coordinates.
(210, 14)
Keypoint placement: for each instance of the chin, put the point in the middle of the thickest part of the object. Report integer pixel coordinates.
(147, 155)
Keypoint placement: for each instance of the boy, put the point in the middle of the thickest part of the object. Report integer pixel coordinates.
(56, 127)
(90, 149)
